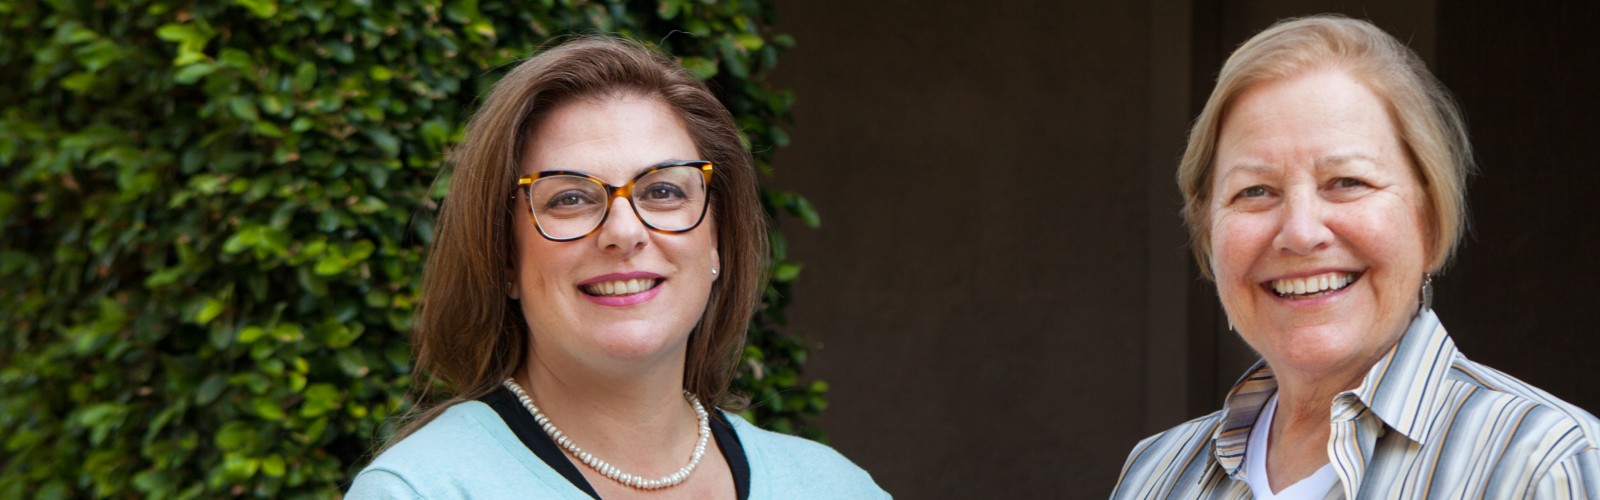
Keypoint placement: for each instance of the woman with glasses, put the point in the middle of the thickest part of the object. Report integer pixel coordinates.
(597, 261)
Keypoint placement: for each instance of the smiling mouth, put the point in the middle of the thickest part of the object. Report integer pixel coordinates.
(1310, 287)
(619, 287)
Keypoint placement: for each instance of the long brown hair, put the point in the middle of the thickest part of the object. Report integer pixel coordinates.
(467, 335)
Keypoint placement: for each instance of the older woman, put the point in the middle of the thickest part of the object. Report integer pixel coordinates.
(1324, 184)
(598, 257)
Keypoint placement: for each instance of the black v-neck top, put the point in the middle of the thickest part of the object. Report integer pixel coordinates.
(521, 423)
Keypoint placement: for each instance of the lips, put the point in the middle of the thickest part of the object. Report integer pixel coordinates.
(610, 288)
(1306, 287)
(613, 288)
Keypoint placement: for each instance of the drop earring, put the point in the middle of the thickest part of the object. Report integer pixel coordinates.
(1427, 291)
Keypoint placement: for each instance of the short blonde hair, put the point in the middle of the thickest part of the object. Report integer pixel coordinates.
(1428, 120)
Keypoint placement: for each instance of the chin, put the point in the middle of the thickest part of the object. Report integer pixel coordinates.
(640, 344)
(1325, 349)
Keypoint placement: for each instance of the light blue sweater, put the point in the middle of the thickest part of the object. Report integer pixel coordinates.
(468, 452)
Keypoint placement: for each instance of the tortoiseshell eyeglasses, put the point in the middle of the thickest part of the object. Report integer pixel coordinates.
(668, 198)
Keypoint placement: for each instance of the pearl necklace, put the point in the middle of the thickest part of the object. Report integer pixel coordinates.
(611, 471)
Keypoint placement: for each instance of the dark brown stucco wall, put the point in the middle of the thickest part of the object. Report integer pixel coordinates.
(999, 289)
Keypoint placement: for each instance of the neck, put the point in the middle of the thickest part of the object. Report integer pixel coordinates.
(1301, 427)
(639, 422)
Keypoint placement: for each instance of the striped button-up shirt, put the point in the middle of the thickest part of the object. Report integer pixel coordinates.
(1424, 423)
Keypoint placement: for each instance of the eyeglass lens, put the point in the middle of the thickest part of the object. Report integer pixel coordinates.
(570, 206)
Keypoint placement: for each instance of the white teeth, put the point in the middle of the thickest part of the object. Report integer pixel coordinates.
(1313, 284)
(619, 287)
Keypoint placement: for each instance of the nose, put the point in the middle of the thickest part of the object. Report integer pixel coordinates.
(1303, 229)
(622, 232)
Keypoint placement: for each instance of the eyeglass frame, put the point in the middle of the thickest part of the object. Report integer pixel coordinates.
(525, 185)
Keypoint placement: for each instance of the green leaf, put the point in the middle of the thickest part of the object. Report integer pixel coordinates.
(210, 389)
(462, 11)
(74, 33)
(99, 54)
(243, 108)
(387, 142)
(250, 334)
(274, 239)
(287, 332)
(304, 77)
(235, 58)
(320, 398)
(78, 82)
(482, 28)
(238, 467)
(268, 129)
(152, 481)
(802, 208)
(181, 33)
(233, 436)
(784, 272)
(209, 311)
(192, 73)
(261, 8)
(268, 409)
(329, 266)
(273, 466)
(702, 67)
(247, 237)
(749, 42)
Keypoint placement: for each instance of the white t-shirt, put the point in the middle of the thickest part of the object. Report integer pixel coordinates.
(1313, 487)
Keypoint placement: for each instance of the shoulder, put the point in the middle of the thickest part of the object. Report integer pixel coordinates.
(1542, 410)
(467, 451)
(1549, 443)
(1161, 459)
(784, 466)
(1187, 438)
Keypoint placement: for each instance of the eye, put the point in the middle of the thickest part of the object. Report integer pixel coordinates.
(1348, 182)
(1253, 192)
(662, 191)
(569, 199)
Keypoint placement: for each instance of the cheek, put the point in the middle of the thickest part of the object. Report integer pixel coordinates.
(1236, 241)
(536, 258)
(1393, 234)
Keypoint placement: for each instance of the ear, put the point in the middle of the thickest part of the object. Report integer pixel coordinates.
(513, 292)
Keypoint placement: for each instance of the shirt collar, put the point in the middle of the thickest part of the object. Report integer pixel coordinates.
(1407, 386)
(1239, 411)
(1402, 389)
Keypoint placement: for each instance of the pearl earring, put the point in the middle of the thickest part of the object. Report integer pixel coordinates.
(713, 271)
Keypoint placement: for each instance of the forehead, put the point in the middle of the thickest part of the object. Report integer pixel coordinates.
(610, 137)
(1309, 116)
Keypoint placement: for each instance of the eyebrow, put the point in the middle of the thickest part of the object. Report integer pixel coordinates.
(1342, 158)
(667, 162)
(636, 171)
(1255, 168)
(1323, 162)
